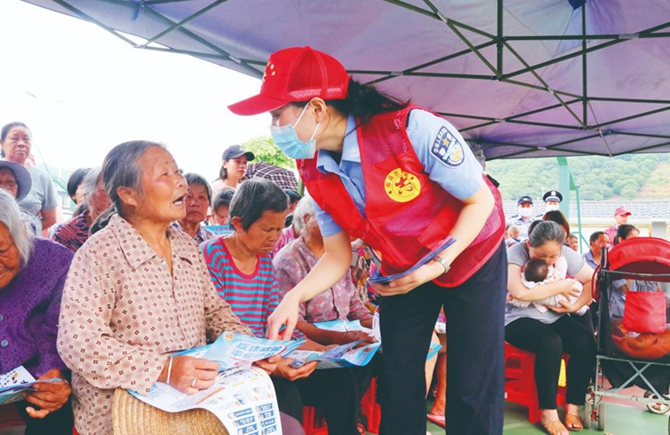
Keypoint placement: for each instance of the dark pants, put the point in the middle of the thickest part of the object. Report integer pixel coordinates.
(336, 393)
(569, 334)
(58, 422)
(475, 354)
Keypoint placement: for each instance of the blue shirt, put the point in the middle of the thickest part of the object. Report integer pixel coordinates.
(461, 178)
(588, 257)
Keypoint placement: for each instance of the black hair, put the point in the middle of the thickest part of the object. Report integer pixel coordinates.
(75, 180)
(532, 226)
(199, 180)
(559, 218)
(5, 131)
(545, 232)
(623, 232)
(222, 198)
(536, 270)
(223, 172)
(254, 197)
(594, 237)
(363, 101)
(293, 196)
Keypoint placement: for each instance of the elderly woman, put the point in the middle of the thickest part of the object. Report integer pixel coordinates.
(241, 269)
(32, 274)
(75, 187)
(137, 291)
(41, 201)
(340, 302)
(233, 167)
(75, 232)
(197, 201)
(549, 334)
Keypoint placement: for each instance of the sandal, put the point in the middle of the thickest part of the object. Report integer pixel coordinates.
(361, 429)
(436, 419)
(554, 427)
(574, 422)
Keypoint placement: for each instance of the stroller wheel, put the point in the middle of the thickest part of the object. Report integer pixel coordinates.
(601, 417)
(588, 415)
(658, 407)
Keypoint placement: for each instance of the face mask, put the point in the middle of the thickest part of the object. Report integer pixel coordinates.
(287, 140)
(525, 211)
(552, 207)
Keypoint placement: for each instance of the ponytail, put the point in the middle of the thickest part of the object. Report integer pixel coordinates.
(364, 101)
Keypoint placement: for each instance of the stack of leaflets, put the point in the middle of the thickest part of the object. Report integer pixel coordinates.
(242, 397)
(15, 382)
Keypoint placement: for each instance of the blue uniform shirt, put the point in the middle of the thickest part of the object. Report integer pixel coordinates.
(461, 176)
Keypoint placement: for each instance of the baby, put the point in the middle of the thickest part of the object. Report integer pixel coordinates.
(537, 271)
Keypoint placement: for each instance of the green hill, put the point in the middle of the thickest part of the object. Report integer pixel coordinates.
(640, 176)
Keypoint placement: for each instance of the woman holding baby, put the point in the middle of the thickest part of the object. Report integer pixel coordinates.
(550, 333)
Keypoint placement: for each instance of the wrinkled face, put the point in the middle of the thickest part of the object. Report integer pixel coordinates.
(196, 203)
(8, 181)
(17, 144)
(99, 201)
(79, 195)
(221, 215)
(549, 252)
(163, 187)
(10, 261)
(602, 242)
(263, 234)
(236, 167)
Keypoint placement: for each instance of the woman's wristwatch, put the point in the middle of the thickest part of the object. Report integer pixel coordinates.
(443, 262)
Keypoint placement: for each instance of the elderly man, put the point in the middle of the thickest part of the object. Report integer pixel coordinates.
(597, 241)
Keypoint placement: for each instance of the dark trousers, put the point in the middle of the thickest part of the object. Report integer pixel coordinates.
(58, 422)
(569, 334)
(475, 354)
(336, 393)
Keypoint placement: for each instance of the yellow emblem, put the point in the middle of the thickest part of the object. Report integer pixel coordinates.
(402, 186)
(269, 71)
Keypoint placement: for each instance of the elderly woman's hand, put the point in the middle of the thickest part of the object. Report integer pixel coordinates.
(190, 375)
(49, 396)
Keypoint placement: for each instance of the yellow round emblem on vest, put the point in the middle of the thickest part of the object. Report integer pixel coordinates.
(402, 186)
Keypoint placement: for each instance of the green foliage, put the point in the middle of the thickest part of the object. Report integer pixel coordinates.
(599, 178)
(266, 151)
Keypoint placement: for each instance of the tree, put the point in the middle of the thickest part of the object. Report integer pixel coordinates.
(265, 150)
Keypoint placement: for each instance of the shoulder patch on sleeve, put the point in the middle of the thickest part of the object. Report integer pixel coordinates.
(447, 149)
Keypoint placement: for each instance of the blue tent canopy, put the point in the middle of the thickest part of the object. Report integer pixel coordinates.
(518, 78)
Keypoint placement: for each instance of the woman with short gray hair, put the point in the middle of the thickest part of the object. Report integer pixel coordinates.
(32, 274)
(75, 232)
(137, 291)
(550, 334)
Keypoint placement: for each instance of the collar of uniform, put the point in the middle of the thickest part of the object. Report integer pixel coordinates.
(137, 250)
(350, 151)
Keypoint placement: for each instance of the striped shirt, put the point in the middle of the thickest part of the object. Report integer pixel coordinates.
(253, 297)
(73, 233)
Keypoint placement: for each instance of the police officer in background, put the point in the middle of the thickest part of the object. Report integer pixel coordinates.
(524, 216)
(552, 200)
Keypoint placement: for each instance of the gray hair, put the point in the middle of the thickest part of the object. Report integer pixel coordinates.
(10, 216)
(305, 208)
(544, 232)
(90, 182)
(121, 168)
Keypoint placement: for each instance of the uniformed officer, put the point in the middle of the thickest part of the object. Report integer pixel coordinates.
(524, 216)
(552, 199)
(402, 179)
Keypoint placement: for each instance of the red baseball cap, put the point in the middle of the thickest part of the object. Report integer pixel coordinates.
(622, 211)
(296, 74)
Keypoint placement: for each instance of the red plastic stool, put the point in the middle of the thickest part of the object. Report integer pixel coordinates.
(371, 408)
(520, 381)
(313, 422)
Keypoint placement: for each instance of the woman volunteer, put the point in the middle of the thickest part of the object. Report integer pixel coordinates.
(403, 180)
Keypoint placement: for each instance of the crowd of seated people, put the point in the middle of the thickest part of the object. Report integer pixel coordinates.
(137, 273)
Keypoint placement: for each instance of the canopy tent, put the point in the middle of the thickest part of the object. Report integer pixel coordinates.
(518, 78)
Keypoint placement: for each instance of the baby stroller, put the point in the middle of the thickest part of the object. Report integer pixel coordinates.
(632, 331)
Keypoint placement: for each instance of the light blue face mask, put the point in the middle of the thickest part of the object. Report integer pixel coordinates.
(287, 140)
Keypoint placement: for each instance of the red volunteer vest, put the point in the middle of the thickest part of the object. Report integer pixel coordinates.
(407, 214)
